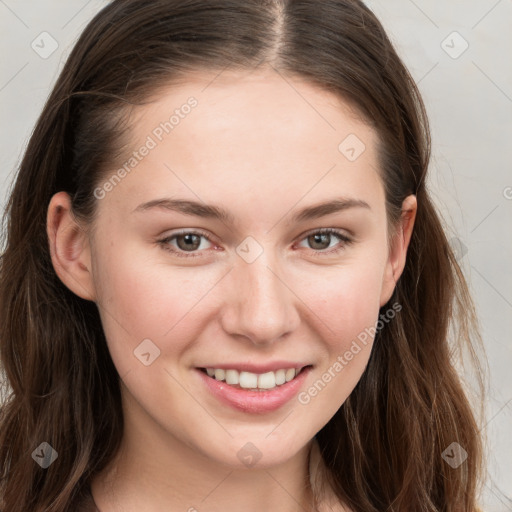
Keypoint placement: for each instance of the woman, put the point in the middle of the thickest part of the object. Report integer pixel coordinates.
(225, 285)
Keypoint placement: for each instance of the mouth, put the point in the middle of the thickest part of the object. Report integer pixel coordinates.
(255, 393)
(250, 381)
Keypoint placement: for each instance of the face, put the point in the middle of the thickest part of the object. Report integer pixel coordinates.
(211, 251)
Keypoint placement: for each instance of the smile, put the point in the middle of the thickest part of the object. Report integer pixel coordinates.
(253, 381)
(251, 392)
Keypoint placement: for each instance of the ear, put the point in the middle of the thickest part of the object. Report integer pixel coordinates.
(398, 249)
(69, 247)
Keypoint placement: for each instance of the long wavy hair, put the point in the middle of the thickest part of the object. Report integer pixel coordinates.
(384, 446)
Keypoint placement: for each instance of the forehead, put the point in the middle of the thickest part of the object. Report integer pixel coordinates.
(258, 103)
(252, 135)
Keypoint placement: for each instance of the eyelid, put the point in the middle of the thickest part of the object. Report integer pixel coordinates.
(164, 242)
(190, 231)
(345, 239)
(335, 231)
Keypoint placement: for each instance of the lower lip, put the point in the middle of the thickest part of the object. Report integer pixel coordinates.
(254, 401)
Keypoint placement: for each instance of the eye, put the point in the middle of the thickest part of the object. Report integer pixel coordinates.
(185, 242)
(320, 240)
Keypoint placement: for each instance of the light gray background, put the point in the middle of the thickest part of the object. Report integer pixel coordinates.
(469, 101)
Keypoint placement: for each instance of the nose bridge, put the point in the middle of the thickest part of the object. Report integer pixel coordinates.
(261, 306)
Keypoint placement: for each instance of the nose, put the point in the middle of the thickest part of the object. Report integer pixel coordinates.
(260, 305)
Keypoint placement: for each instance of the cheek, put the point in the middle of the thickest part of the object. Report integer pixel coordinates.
(347, 306)
(347, 300)
(143, 299)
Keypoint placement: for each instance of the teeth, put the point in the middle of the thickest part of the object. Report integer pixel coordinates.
(248, 380)
(268, 380)
(280, 377)
(253, 381)
(232, 377)
(290, 374)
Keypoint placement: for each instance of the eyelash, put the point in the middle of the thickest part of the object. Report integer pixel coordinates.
(326, 231)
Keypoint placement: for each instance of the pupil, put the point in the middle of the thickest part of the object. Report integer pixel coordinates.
(318, 239)
(190, 243)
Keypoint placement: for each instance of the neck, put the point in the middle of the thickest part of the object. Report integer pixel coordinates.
(155, 471)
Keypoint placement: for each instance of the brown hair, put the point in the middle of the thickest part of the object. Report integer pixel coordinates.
(383, 447)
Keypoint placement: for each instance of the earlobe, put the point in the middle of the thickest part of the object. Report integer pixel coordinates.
(69, 247)
(398, 250)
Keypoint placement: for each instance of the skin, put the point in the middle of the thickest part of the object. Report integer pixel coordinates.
(263, 148)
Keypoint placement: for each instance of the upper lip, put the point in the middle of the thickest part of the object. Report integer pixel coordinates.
(258, 368)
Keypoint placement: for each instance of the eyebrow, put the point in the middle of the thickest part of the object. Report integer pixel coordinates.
(211, 211)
